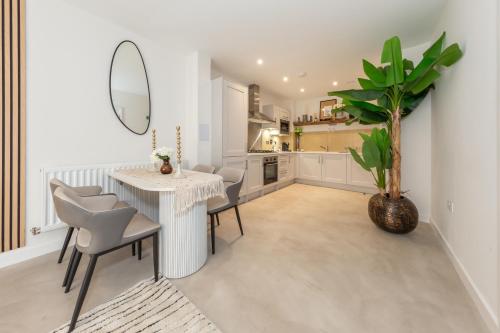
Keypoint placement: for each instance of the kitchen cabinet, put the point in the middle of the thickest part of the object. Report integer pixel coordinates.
(238, 163)
(283, 167)
(234, 119)
(275, 112)
(229, 120)
(286, 167)
(310, 166)
(358, 176)
(338, 169)
(292, 170)
(254, 174)
(334, 168)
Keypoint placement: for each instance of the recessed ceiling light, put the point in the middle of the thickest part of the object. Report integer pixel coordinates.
(335, 83)
(302, 90)
(285, 78)
(260, 61)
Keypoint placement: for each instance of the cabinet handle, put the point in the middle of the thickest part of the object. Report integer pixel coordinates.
(319, 159)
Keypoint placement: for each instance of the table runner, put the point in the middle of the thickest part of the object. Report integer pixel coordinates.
(195, 187)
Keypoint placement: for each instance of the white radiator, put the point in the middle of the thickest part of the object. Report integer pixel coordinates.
(145, 202)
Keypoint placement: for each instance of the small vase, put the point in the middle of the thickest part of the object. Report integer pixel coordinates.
(166, 168)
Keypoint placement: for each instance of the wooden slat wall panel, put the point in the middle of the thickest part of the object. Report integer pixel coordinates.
(12, 126)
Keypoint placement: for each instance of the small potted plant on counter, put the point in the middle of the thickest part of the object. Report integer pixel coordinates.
(389, 93)
(298, 133)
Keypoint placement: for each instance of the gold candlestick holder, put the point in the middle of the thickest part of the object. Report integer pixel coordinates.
(178, 171)
(155, 162)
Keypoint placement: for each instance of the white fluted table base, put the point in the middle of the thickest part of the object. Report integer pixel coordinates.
(183, 240)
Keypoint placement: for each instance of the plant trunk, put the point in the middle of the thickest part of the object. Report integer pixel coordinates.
(395, 184)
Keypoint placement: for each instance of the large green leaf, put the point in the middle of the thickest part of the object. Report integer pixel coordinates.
(384, 102)
(450, 55)
(410, 101)
(358, 159)
(408, 65)
(358, 95)
(367, 84)
(367, 106)
(423, 66)
(374, 74)
(424, 82)
(365, 116)
(434, 51)
(371, 154)
(391, 53)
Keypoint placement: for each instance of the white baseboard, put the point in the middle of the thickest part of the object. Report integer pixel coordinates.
(487, 313)
(28, 252)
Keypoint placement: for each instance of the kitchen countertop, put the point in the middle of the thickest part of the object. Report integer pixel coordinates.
(298, 152)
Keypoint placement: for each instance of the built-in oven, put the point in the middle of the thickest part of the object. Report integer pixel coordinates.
(284, 127)
(270, 169)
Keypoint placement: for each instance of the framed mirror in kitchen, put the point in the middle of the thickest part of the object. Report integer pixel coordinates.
(129, 88)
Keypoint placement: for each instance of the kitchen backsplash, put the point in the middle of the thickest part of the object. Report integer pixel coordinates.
(336, 141)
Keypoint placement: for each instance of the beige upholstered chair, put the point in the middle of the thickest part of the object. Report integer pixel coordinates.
(81, 191)
(233, 179)
(84, 191)
(204, 168)
(101, 229)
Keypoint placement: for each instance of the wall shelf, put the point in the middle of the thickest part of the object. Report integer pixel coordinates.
(321, 122)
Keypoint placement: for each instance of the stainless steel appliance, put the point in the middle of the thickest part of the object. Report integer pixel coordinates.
(270, 169)
(254, 114)
(284, 127)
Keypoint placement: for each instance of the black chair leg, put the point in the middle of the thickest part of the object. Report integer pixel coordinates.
(74, 268)
(217, 216)
(139, 250)
(133, 249)
(239, 219)
(83, 292)
(65, 244)
(155, 255)
(212, 232)
(70, 265)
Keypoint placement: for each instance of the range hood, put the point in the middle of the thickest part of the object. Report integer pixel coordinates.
(254, 114)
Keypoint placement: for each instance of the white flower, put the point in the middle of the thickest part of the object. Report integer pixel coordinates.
(163, 152)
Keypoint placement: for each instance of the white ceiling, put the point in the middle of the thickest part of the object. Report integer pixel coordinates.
(325, 38)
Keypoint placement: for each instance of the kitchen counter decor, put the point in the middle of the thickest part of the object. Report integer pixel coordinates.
(390, 93)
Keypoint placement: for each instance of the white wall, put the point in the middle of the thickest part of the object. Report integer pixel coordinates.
(70, 120)
(465, 150)
(198, 105)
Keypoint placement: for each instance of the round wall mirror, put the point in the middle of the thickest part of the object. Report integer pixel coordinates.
(129, 88)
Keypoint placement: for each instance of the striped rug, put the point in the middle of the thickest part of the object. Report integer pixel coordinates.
(146, 307)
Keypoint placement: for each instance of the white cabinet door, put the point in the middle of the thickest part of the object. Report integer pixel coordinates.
(310, 166)
(234, 120)
(291, 166)
(238, 163)
(334, 168)
(254, 174)
(358, 176)
(283, 167)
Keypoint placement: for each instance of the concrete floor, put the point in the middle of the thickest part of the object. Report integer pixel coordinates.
(310, 261)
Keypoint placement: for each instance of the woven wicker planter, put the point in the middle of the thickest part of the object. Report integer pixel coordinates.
(399, 216)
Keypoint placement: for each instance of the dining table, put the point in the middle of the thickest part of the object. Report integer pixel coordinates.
(180, 206)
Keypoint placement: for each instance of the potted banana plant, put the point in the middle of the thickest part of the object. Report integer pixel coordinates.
(389, 93)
